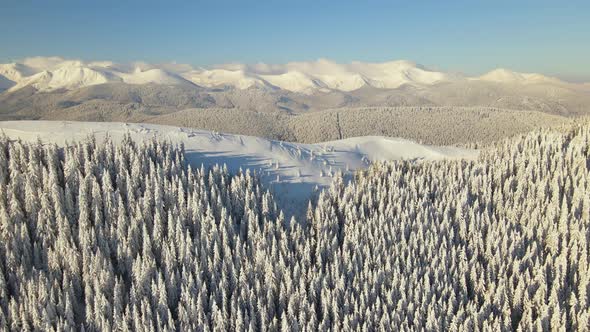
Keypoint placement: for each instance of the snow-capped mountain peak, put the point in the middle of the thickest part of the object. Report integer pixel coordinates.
(71, 76)
(502, 75)
(15, 71)
(155, 75)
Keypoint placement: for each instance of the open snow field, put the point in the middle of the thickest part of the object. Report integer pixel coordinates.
(292, 171)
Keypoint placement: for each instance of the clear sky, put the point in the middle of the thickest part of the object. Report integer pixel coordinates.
(550, 37)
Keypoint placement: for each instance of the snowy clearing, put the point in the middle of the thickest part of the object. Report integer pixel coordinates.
(292, 171)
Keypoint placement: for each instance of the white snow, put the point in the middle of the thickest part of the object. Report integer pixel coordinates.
(156, 75)
(502, 75)
(15, 71)
(390, 75)
(301, 167)
(67, 77)
(221, 77)
(292, 81)
(332, 75)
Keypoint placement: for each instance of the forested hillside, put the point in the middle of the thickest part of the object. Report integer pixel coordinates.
(127, 236)
(430, 125)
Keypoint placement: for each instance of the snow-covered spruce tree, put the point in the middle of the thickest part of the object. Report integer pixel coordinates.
(128, 237)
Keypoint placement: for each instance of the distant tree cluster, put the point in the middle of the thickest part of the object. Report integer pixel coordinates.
(235, 121)
(106, 236)
(429, 125)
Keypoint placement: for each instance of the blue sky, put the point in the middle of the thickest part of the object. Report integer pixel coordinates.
(464, 36)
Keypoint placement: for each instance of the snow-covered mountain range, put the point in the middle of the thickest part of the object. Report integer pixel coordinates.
(53, 73)
(53, 88)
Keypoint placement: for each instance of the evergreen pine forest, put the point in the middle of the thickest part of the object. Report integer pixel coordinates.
(103, 236)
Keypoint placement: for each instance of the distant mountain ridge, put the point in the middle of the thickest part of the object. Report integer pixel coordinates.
(53, 73)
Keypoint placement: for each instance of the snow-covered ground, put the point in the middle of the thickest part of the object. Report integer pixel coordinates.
(292, 171)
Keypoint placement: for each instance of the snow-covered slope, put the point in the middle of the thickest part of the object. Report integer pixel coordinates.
(16, 71)
(222, 77)
(348, 77)
(156, 75)
(332, 75)
(47, 74)
(302, 77)
(293, 81)
(293, 171)
(66, 77)
(390, 75)
(502, 75)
